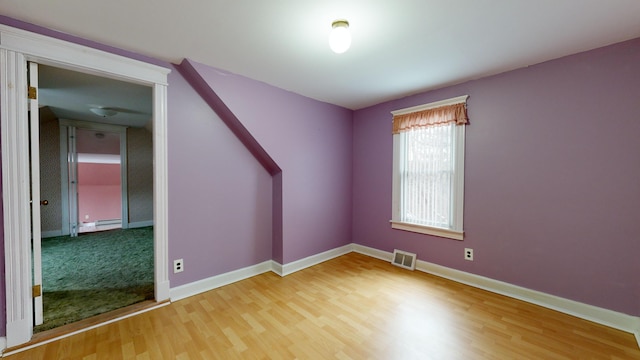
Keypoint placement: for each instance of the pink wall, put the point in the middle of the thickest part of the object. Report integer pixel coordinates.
(101, 202)
(99, 192)
(552, 182)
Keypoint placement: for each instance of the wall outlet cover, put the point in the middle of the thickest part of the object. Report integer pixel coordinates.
(178, 266)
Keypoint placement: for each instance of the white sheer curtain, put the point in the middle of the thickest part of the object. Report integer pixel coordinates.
(428, 172)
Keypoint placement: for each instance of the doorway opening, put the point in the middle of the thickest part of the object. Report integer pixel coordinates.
(86, 274)
(17, 48)
(93, 164)
(100, 201)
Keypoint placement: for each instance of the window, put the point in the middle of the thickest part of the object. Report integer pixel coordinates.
(428, 168)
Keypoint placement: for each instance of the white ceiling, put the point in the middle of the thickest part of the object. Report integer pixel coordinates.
(71, 95)
(399, 47)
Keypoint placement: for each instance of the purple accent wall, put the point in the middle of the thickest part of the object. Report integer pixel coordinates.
(552, 182)
(311, 142)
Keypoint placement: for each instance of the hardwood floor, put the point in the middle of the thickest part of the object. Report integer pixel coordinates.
(351, 307)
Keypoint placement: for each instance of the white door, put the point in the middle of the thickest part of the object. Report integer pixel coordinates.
(34, 125)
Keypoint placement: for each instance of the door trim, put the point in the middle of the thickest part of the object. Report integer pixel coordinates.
(35, 196)
(16, 48)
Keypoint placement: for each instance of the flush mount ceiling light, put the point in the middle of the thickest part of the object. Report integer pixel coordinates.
(340, 37)
(104, 112)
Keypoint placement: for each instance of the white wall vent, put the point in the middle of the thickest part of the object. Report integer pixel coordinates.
(404, 259)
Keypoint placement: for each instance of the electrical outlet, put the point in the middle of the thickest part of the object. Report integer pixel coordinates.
(178, 266)
(468, 254)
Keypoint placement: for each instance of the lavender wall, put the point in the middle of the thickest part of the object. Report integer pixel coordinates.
(221, 199)
(312, 143)
(3, 293)
(219, 194)
(552, 192)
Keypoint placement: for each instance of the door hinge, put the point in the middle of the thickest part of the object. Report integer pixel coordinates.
(32, 93)
(36, 290)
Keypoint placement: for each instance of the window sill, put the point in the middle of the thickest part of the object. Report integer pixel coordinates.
(445, 233)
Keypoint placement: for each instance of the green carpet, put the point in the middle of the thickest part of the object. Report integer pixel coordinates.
(95, 273)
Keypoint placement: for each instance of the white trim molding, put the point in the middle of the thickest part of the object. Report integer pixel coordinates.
(200, 286)
(217, 281)
(290, 268)
(378, 254)
(139, 224)
(636, 332)
(421, 229)
(453, 229)
(16, 48)
(61, 53)
(16, 196)
(160, 192)
(616, 320)
(432, 105)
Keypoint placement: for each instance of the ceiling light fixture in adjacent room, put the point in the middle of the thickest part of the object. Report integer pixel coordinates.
(340, 37)
(104, 112)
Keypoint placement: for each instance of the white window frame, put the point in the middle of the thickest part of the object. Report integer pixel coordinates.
(456, 232)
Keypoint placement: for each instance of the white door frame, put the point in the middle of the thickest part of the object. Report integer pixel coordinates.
(34, 161)
(16, 48)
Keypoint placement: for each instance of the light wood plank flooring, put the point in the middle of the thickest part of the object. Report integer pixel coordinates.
(351, 307)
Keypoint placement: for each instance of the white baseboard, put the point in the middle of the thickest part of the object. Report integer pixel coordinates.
(18, 332)
(602, 316)
(298, 265)
(197, 287)
(50, 233)
(108, 222)
(599, 315)
(378, 254)
(162, 290)
(139, 224)
(217, 281)
(276, 267)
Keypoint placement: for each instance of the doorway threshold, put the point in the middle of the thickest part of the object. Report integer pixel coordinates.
(93, 322)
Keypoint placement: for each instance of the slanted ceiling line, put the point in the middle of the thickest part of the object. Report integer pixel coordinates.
(194, 78)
